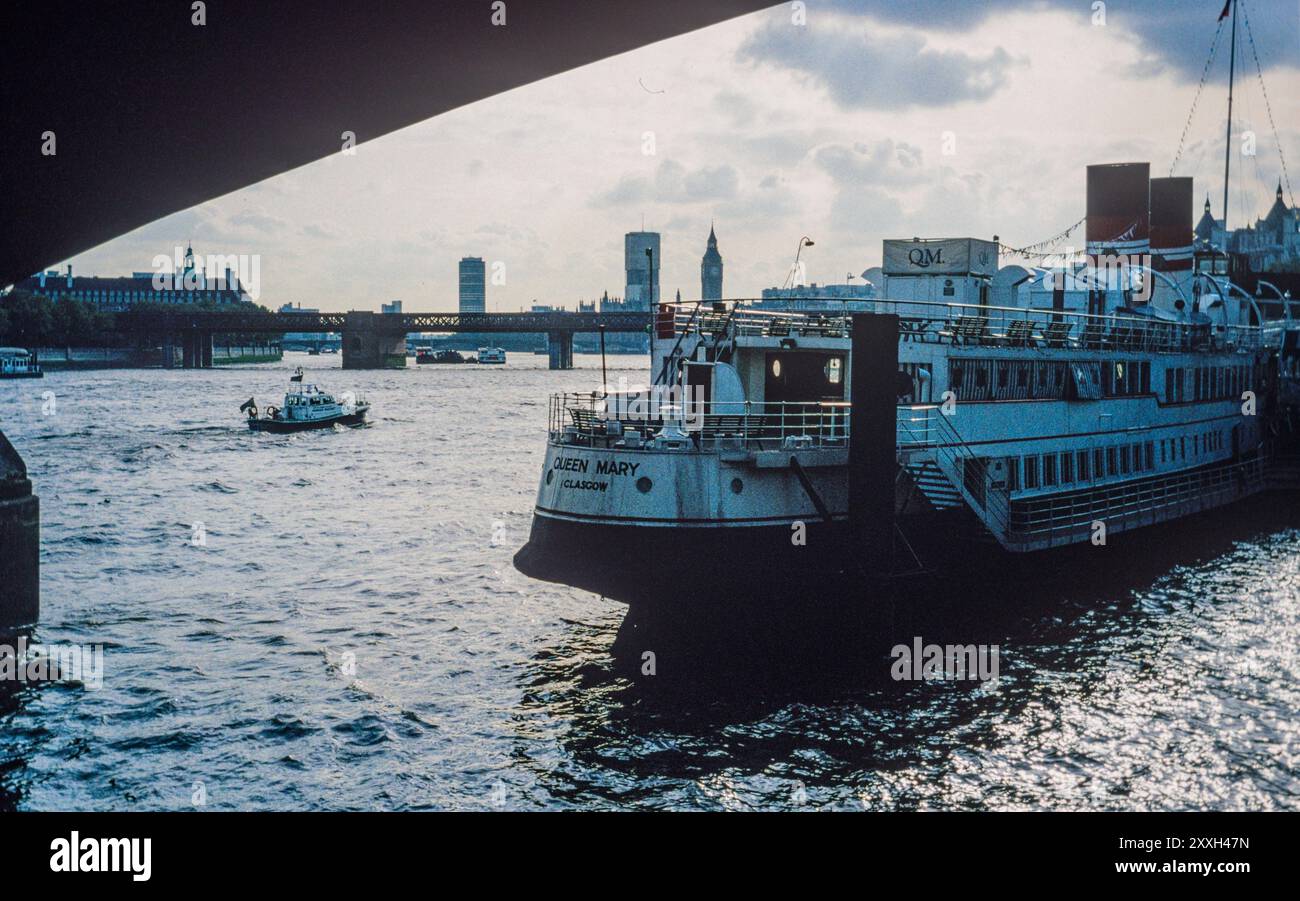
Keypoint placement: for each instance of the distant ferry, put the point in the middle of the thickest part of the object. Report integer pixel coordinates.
(306, 407)
(428, 355)
(491, 355)
(17, 363)
(1018, 427)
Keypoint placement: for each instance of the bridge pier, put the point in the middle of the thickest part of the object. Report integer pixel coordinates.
(559, 347)
(369, 343)
(20, 541)
(196, 350)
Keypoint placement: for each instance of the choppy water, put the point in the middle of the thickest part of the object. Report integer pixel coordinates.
(230, 664)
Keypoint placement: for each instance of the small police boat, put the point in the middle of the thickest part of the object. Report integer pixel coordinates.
(306, 407)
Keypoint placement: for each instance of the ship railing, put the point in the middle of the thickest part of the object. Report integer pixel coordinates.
(971, 325)
(1074, 516)
(603, 420)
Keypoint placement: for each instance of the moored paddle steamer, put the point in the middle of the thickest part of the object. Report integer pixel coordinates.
(1097, 400)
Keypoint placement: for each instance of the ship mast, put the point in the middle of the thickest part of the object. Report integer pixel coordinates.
(1227, 150)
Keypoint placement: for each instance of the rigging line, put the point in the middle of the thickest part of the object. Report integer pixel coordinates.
(1031, 250)
(1259, 70)
(1214, 47)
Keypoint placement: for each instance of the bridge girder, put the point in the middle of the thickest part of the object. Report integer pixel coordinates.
(389, 323)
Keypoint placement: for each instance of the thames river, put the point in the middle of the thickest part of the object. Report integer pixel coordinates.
(331, 620)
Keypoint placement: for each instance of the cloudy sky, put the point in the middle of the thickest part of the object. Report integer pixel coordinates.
(867, 121)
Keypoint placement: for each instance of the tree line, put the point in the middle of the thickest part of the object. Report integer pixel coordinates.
(34, 320)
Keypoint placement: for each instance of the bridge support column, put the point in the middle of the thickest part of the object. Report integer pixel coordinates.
(559, 347)
(20, 541)
(368, 346)
(205, 350)
(188, 348)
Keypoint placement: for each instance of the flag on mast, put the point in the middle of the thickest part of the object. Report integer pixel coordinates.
(1227, 6)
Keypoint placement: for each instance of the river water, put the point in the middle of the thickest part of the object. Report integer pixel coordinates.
(331, 620)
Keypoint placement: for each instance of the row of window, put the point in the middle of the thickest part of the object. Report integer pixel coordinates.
(1207, 382)
(992, 379)
(1070, 467)
(102, 297)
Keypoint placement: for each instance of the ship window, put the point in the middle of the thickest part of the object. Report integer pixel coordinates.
(1049, 469)
(1013, 473)
(834, 370)
(1031, 472)
(948, 290)
(1124, 460)
(1150, 455)
(1111, 467)
(1098, 464)
(1082, 459)
(1067, 468)
(1137, 457)
(1182, 447)
(1196, 445)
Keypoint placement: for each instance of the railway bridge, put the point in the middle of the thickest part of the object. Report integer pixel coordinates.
(370, 340)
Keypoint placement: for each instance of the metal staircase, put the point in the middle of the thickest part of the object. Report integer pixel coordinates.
(948, 472)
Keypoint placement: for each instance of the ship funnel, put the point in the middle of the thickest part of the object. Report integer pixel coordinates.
(1118, 213)
(1171, 224)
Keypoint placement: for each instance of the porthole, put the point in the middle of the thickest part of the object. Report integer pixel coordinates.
(737, 486)
(644, 485)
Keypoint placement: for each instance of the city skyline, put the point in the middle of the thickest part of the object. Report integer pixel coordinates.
(942, 141)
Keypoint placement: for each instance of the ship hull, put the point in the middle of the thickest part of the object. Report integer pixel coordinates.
(280, 426)
(698, 574)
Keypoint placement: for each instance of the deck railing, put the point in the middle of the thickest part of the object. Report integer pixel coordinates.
(1064, 517)
(978, 325)
(601, 420)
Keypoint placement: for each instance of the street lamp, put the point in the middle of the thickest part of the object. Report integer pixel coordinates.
(805, 241)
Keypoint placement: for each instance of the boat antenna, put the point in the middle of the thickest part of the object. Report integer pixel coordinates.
(1227, 150)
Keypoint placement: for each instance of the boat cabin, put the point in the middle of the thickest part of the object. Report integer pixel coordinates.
(309, 402)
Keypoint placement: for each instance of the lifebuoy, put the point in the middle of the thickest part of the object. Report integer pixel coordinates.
(272, 411)
(252, 411)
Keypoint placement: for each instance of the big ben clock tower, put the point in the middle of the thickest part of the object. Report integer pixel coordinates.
(711, 270)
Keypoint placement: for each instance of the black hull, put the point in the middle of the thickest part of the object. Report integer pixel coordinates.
(742, 576)
(279, 426)
(22, 375)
